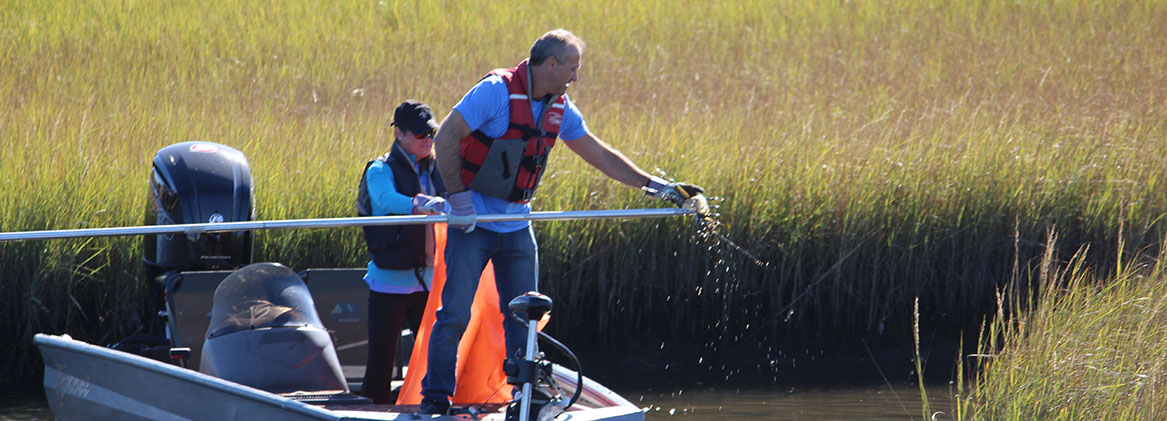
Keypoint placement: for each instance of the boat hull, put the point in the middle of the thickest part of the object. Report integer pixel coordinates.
(84, 381)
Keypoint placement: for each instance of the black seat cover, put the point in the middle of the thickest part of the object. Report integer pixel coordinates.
(261, 295)
(265, 333)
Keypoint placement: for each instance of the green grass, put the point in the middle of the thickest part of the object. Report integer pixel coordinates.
(1089, 346)
(870, 152)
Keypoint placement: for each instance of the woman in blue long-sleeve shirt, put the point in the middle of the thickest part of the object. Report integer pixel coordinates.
(400, 270)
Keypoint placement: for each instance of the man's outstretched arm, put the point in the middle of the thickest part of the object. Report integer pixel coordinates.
(608, 160)
(617, 166)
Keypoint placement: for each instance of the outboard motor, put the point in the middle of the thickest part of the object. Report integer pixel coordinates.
(191, 182)
(265, 333)
(198, 182)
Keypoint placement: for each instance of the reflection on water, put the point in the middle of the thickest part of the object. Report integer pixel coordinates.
(25, 409)
(694, 404)
(866, 403)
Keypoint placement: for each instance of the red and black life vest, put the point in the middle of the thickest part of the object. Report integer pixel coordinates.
(510, 166)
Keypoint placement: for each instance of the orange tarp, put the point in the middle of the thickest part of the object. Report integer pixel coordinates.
(481, 351)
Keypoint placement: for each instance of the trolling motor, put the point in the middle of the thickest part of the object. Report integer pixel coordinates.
(534, 370)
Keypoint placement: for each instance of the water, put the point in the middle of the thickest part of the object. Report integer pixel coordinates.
(867, 403)
(697, 404)
(30, 409)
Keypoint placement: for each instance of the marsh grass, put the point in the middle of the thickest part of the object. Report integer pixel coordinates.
(870, 152)
(1089, 345)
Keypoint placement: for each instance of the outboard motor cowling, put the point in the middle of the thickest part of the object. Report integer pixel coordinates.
(198, 182)
(265, 333)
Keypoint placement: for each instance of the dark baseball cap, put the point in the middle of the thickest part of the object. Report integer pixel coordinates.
(415, 116)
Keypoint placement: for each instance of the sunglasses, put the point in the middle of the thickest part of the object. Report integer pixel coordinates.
(428, 134)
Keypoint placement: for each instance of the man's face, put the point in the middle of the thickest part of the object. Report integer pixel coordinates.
(418, 145)
(565, 72)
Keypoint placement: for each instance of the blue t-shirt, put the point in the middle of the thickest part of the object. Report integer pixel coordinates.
(486, 107)
(385, 200)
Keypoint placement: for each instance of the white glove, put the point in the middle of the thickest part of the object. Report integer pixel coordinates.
(675, 193)
(462, 214)
(430, 205)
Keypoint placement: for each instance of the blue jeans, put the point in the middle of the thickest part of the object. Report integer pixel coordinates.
(516, 264)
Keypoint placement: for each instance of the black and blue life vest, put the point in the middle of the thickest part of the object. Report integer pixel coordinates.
(398, 247)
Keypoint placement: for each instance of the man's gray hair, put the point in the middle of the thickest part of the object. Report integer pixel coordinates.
(554, 43)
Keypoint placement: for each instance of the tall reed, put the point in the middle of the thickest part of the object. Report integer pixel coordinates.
(1089, 346)
(870, 153)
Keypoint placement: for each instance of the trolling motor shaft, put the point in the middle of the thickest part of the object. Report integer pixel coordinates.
(528, 308)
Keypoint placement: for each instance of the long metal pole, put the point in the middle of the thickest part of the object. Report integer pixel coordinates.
(196, 229)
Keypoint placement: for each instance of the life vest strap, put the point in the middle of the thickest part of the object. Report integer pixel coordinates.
(482, 137)
(529, 132)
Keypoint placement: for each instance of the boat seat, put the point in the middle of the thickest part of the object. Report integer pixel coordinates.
(278, 360)
(265, 333)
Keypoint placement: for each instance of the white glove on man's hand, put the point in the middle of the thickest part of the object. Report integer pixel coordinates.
(676, 193)
(430, 205)
(462, 214)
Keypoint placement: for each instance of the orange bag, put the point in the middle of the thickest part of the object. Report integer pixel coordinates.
(481, 350)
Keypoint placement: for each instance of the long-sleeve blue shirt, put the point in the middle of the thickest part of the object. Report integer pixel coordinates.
(386, 200)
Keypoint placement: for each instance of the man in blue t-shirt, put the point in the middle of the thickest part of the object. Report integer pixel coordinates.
(485, 115)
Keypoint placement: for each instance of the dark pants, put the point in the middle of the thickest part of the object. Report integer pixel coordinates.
(387, 314)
